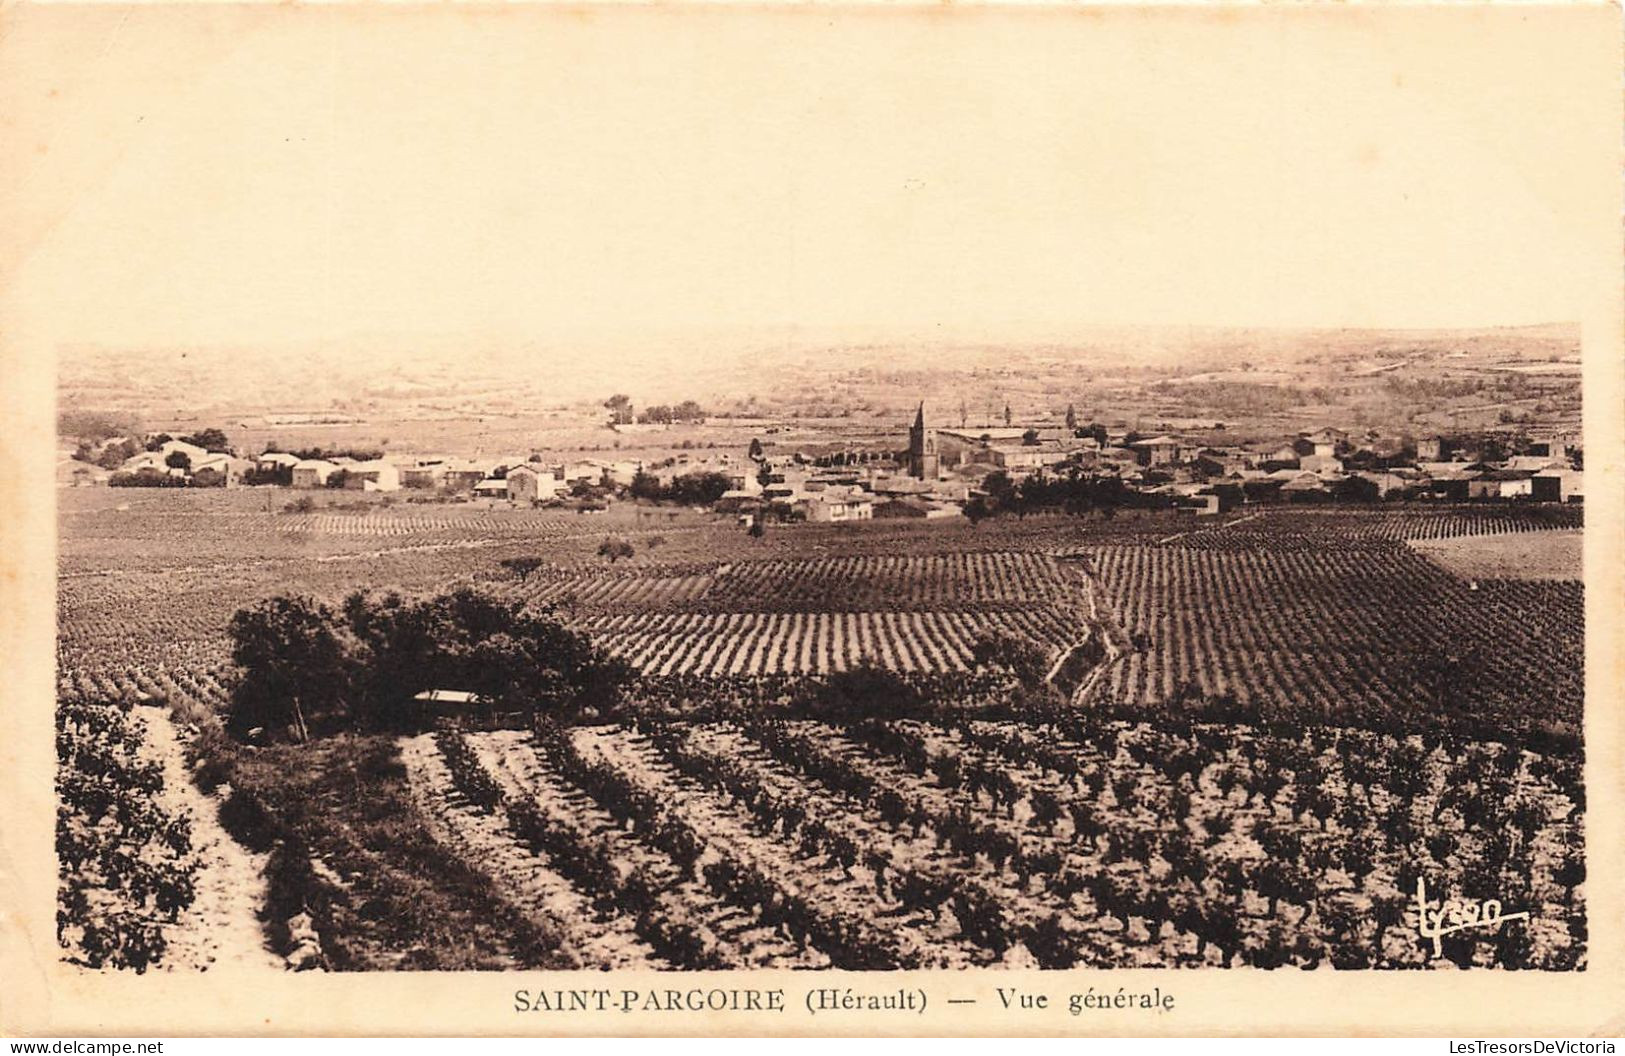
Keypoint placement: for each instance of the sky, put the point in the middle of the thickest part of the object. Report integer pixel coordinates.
(285, 178)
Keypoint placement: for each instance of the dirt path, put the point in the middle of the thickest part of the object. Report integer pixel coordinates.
(221, 929)
(1101, 621)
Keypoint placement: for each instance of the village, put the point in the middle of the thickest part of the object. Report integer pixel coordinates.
(943, 472)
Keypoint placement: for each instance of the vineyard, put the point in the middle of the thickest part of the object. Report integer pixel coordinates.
(1353, 633)
(1275, 723)
(125, 862)
(903, 845)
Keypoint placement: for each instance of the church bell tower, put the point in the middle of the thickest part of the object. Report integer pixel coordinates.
(922, 448)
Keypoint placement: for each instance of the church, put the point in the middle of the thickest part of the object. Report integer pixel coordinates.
(922, 448)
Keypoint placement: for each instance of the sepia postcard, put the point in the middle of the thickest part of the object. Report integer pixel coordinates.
(823, 519)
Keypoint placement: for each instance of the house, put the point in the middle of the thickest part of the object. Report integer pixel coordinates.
(1157, 451)
(217, 469)
(912, 508)
(897, 486)
(1279, 457)
(1378, 485)
(1535, 463)
(150, 462)
(1201, 504)
(1558, 485)
(491, 488)
(738, 501)
(1447, 470)
(275, 460)
(1318, 463)
(192, 452)
(1304, 487)
(1323, 443)
(837, 505)
(313, 472)
(423, 473)
(1502, 484)
(957, 447)
(1025, 457)
(463, 475)
(71, 473)
(1431, 449)
(376, 475)
(532, 483)
(589, 471)
(1549, 447)
(1215, 463)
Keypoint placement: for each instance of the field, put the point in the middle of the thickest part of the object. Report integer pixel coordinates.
(1277, 722)
(1549, 556)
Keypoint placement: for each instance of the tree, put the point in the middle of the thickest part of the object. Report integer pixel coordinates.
(1023, 659)
(95, 426)
(699, 489)
(1071, 418)
(647, 486)
(688, 411)
(295, 668)
(115, 455)
(208, 439)
(1006, 414)
(158, 440)
(178, 460)
(615, 549)
(1030, 438)
(512, 657)
(1001, 490)
(865, 691)
(757, 529)
(755, 448)
(620, 409)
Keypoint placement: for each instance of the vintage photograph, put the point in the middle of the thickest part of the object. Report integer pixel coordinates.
(534, 495)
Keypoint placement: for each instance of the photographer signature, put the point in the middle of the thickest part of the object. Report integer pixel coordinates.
(1436, 919)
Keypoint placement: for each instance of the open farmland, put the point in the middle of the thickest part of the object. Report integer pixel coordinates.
(1275, 724)
(1553, 556)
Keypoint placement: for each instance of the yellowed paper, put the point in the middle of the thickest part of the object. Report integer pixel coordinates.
(443, 236)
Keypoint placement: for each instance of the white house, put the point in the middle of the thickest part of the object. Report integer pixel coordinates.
(312, 472)
(592, 472)
(532, 483)
(146, 460)
(271, 460)
(836, 504)
(376, 475)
